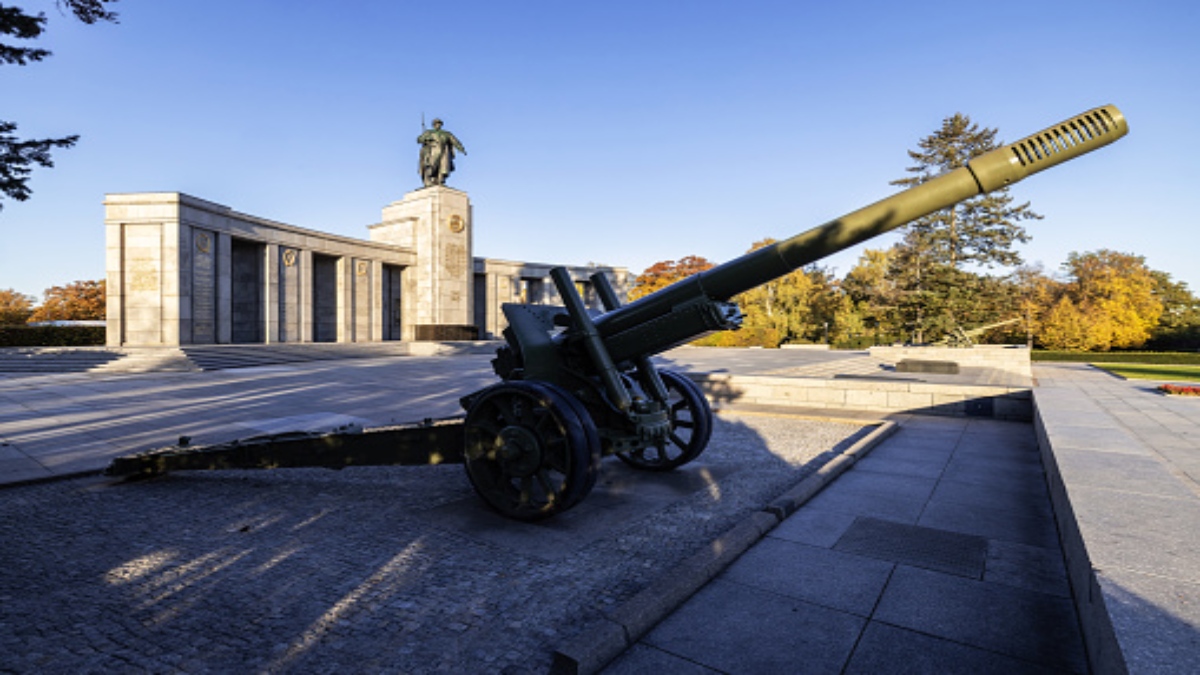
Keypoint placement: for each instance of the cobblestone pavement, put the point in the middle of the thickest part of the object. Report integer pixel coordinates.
(397, 569)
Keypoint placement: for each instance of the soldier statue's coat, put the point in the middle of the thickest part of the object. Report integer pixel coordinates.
(437, 154)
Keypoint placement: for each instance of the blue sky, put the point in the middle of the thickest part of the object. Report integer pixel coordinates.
(613, 132)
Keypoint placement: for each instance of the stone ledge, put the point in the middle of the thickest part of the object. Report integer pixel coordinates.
(953, 400)
(1127, 527)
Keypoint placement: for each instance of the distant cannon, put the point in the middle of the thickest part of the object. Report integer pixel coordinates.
(966, 338)
(578, 386)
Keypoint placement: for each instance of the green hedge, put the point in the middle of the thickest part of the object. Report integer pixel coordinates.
(1173, 358)
(52, 336)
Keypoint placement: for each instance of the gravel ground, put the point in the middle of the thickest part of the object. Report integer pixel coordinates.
(364, 570)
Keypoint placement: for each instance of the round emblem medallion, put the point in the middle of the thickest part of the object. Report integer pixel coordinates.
(289, 257)
(457, 224)
(203, 242)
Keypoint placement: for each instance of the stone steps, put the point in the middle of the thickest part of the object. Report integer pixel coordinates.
(102, 360)
(222, 357)
(56, 359)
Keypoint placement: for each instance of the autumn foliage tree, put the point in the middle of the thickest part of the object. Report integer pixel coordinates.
(664, 273)
(795, 308)
(15, 308)
(1110, 302)
(78, 301)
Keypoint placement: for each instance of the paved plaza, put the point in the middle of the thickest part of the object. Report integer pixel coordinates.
(937, 551)
(372, 569)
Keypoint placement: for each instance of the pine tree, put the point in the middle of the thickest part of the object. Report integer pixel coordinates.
(980, 230)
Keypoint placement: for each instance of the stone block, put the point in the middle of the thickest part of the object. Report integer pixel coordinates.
(1016, 623)
(830, 397)
(885, 648)
(1013, 407)
(819, 575)
(869, 399)
(763, 632)
(907, 400)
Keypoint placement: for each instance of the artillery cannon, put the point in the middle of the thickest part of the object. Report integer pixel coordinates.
(577, 385)
(966, 338)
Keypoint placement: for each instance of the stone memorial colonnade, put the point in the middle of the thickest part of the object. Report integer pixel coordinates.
(185, 271)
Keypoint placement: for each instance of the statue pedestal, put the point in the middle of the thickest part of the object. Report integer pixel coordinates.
(435, 222)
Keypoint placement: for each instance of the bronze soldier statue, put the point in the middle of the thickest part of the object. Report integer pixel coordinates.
(437, 154)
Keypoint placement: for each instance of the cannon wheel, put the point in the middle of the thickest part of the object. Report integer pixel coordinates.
(531, 449)
(691, 428)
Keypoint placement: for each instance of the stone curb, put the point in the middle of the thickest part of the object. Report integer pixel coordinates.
(622, 627)
(52, 478)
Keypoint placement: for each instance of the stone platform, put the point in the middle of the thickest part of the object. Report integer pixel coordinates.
(1123, 465)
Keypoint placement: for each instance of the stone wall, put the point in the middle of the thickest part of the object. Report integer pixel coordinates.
(955, 400)
(1007, 358)
(185, 271)
(182, 270)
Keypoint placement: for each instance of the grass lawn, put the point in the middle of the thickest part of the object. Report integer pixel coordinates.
(1151, 371)
(1159, 358)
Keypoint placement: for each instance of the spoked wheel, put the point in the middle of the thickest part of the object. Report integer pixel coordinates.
(531, 449)
(691, 427)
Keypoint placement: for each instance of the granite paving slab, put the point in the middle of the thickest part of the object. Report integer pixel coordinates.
(761, 632)
(938, 550)
(1030, 567)
(1025, 625)
(991, 523)
(830, 578)
(814, 527)
(890, 649)
(643, 660)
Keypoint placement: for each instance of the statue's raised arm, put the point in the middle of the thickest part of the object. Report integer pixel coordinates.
(437, 154)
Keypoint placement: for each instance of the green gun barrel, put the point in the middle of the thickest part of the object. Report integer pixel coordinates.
(689, 308)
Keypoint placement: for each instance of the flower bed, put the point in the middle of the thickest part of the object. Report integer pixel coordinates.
(1179, 390)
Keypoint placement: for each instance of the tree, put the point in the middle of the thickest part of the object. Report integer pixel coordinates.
(17, 156)
(873, 315)
(1036, 294)
(15, 308)
(980, 230)
(1117, 294)
(1065, 328)
(78, 301)
(664, 273)
(1179, 325)
(780, 308)
(795, 308)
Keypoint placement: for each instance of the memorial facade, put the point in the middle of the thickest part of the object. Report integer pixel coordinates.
(185, 271)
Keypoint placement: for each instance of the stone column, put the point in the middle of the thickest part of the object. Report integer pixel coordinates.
(203, 287)
(345, 299)
(377, 311)
(306, 296)
(224, 288)
(271, 296)
(114, 304)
